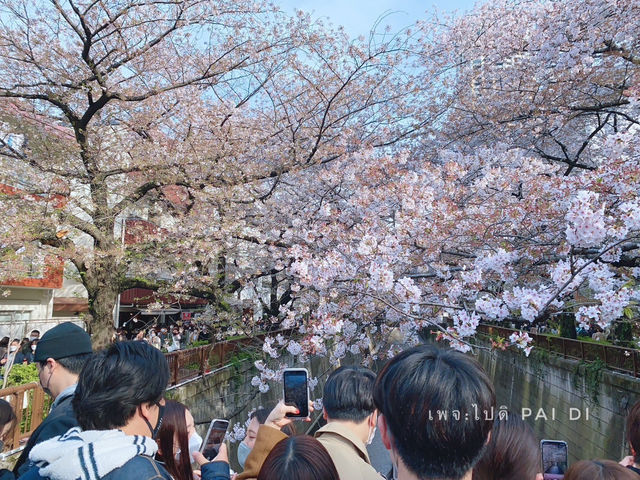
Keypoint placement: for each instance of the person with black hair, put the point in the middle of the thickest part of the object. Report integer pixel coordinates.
(119, 404)
(435, 407)
(4, 346)
(14, 355)
(351, 419)
(60, 355)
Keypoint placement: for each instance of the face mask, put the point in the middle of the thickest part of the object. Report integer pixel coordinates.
(371, 435)
(195, 442)
(13, 348)
(45, 387)
(33, 348)
(154, 431)
(243, 453)
(31, 339)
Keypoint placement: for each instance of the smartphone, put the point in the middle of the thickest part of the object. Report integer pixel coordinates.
(296, 391)
(554, 459)
(214, 438)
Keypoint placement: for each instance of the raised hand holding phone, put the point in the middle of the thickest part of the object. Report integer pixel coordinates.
(213, 441)
(278, 417)
(554, 459)
(296, 391)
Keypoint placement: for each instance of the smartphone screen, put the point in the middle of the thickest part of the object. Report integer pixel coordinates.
(296, 391)
(215, 437)
(554, 459)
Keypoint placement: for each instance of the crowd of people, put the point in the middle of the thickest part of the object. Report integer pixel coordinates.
(166, 337)
(16, 351)
(110, 420)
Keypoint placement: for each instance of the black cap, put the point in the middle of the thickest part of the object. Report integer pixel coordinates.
(64, 340)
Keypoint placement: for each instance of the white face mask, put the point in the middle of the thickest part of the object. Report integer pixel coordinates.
(195, 442)
(372, 434)
(33, 348)
(13, 348)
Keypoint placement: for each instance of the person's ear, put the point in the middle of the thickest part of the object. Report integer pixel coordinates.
(146, 410)
(324, 414)
(633, 450)
(384, 432)
(373, 418)
(52, 364)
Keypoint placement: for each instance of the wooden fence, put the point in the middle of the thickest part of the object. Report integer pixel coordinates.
(624, 360)
(30, 405)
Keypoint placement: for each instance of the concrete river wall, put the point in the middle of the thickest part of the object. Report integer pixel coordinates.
(581, 404)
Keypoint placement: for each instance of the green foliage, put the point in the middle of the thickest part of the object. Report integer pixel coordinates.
(591, 340)
(622, 333)
(22, 374)
(200, 343)
(591, 374)
(239, 360)
(193, 366)
(539, 359)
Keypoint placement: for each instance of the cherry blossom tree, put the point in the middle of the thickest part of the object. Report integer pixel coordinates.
(516, 197)
(185, 112)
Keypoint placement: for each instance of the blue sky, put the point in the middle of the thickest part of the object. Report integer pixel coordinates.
(358, 16)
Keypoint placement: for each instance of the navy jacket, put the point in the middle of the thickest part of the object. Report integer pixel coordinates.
(61, 419)
(147, 468)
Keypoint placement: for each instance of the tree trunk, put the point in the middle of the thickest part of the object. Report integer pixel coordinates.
(103, 286)
(568, 326)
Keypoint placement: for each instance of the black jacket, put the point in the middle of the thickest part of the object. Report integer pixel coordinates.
(61, 419)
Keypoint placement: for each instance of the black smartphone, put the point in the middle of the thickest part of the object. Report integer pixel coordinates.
(554, 459)
(296, 391)
(214, 438)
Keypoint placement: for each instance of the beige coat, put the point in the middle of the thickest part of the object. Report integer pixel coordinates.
(267, 438)
(347, 451)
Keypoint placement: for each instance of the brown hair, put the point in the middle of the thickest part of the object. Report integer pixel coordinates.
(599, 470)
(633, 430)
(174, 423)
(300, 457)
(512, 452)
(7, 415)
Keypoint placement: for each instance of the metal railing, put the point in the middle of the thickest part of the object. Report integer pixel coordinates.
(620, 359)
(191, 363)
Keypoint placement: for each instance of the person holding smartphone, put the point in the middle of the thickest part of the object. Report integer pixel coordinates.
(269, 435)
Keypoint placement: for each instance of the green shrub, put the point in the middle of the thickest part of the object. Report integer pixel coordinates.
(22, 374)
